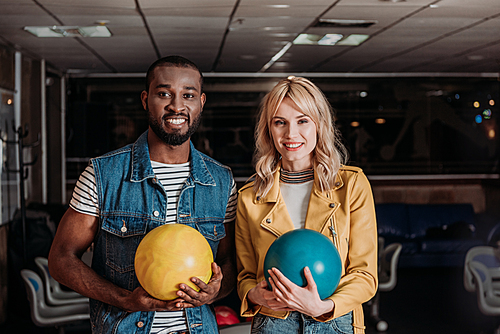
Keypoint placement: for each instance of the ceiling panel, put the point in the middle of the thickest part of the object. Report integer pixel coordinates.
(242, 36)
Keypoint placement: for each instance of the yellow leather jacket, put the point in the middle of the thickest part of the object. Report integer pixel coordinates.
(346, 214)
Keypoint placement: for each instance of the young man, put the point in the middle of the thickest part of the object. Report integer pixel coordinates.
(160, 179)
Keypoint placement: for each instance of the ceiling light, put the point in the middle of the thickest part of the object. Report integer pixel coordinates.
(280, 34)
(69, 31)
(355, 124)
(380, 121)
(281, 63)
(330, 39)
(353, 40)
(247, 57)
(433, 6)
(276, 57)
(307, 39)
(278, 6)
(272, 28)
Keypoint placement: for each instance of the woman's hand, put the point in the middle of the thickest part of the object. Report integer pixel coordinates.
(261, 295)
(293, 297)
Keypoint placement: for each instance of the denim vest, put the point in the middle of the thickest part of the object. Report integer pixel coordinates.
(132, 202)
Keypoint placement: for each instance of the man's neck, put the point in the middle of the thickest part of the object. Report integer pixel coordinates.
(168, 154)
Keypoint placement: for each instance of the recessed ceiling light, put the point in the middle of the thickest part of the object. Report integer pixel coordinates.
(353, 40)
(280, 34)
(330, 39)
(247, 57)
(278, 6)
(307, 39)
(433, 6)
(272, 28)
(69, 31)
(281, 64)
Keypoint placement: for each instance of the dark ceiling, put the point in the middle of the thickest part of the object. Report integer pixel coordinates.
(242, 36)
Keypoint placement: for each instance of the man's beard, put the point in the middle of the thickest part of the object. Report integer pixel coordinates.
(175, 138)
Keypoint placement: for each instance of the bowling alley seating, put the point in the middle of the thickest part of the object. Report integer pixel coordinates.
(54, 294)
(388, 265)
(431, 235)
(482, 275)
(44, 315)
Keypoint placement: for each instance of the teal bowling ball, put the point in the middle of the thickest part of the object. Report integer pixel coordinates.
(297, 249)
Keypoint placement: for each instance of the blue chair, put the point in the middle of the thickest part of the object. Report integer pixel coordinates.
(44, 315)
(54, 294)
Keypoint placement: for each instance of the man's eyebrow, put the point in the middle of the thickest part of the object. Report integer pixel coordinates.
(170, 86)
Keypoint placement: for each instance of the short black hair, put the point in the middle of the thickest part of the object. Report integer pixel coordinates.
(176, 61)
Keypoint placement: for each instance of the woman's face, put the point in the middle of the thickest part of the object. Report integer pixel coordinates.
(294, 136)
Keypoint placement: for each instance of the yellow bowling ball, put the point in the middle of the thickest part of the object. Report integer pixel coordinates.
(169, 255)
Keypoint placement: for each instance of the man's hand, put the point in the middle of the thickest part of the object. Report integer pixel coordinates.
(208, 292)
(140, 300)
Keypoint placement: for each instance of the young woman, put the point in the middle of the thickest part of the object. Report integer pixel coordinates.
(301, 181)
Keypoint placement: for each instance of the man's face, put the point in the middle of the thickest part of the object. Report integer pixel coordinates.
(174, 103)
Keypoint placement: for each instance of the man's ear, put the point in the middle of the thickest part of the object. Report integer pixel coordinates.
(144, 99)
(203, 100)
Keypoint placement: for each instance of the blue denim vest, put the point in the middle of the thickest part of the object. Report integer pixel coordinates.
(132, 202)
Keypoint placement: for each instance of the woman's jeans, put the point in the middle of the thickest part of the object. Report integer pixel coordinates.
(301, 324)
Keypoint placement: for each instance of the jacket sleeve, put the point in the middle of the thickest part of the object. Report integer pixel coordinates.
(359, 283)
(245, 259)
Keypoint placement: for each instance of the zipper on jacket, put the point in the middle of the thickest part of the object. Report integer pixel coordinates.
(331, 227)
(334, 233)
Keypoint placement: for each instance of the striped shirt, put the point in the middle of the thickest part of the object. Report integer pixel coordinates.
(172, 177)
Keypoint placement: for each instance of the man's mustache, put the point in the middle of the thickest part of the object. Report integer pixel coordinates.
(174, 114)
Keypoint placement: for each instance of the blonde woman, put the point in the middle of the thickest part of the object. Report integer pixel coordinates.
(302, 181)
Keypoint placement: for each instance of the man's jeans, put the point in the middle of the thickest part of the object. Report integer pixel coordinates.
(301, 324)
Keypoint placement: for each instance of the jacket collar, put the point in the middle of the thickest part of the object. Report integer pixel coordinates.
(142, 169)
(321, 207)
(273, 195)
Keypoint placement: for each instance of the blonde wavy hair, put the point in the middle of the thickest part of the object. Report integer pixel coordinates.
(329, 153)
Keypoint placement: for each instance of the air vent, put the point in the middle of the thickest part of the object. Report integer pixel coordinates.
(330, 23)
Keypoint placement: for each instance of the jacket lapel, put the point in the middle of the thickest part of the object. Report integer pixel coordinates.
(322, 206)
(277, 221)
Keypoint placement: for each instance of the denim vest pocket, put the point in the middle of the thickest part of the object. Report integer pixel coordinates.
(122, 237)
(213, 231)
